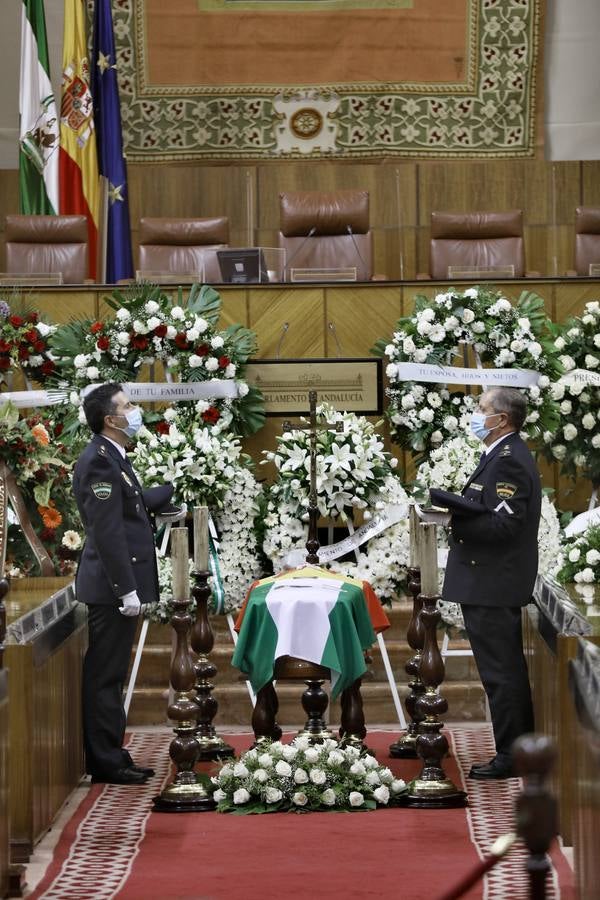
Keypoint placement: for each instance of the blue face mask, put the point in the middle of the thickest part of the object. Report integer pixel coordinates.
(477, 424)
(134, 422)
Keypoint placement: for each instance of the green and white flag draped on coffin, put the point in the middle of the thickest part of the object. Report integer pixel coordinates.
(309, 613)
(39, 125)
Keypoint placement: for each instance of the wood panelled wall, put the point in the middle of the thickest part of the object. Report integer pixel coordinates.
(403, 194)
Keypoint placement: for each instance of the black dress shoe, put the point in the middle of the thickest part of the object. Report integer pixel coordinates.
(491, 771)
(126, 775)
(145, 770)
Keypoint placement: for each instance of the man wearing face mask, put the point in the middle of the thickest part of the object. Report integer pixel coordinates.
(492, 564)
(117, 572)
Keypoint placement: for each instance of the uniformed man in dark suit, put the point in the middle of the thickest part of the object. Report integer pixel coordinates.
(492, 564)
(117, 572)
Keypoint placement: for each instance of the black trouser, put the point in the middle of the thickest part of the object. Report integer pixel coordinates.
(497, 643)
(110, 639)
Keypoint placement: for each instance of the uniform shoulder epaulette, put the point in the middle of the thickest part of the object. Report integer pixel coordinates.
(102, 450)
(506, 450)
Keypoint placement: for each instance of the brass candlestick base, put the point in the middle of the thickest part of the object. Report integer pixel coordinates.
(184, 797)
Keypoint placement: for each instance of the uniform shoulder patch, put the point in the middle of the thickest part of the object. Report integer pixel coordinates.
(505, 490)
(102, 490)
(102, 450)
(505, 450)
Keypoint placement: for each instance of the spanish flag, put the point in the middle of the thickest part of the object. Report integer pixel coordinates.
(78, 162)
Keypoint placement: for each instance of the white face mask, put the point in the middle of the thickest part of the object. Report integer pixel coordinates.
(134, 422)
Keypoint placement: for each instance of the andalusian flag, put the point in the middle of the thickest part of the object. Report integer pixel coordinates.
(312, 614)
(38, 131)
(79, 192)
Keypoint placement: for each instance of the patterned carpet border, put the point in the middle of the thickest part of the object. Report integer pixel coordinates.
(490, 814)
(111, 832)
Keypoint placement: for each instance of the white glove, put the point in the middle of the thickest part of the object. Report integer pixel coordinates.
(131, 605)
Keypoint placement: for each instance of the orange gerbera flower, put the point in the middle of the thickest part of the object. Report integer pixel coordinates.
(50, 517)
(41, 435)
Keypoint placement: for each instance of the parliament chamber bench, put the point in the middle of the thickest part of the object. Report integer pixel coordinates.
(41, 746)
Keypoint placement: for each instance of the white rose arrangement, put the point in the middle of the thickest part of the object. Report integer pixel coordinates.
(440, 332)
(580, 558)
(576, 443)
(305, 777)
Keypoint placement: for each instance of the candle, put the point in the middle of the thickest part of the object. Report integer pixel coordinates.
(201, 538)
(179, 563)
(429, 562)
(413, 536)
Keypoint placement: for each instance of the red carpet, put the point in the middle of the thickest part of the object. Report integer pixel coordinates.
(114, 847)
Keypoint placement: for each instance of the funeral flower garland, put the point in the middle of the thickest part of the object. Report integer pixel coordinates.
(423, 415)
(353, 473)
(304, 777)
(152, 327)
(576, 444)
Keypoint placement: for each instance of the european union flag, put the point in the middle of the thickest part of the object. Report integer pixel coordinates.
(109, 141)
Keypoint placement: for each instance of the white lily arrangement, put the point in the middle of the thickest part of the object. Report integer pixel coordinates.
(305, 777)
(354, 472)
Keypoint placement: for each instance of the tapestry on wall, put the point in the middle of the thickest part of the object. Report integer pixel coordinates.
(345, 79)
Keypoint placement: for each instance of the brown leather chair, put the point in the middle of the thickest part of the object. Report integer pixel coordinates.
(587, 239)
(326, 230)
(183, 246)
(476, 239)
(47, 245)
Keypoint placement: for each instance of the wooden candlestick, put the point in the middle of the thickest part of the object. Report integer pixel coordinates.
(184, 794)
(432, 789)
(200, 538)
(406, 745)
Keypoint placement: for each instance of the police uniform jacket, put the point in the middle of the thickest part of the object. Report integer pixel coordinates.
(493, 556)
(119, 551)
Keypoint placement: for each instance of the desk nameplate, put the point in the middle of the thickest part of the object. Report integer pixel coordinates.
(349, 385)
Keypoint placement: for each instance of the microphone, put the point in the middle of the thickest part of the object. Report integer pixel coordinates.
(298, 249)
(351, 233)
(284, 330)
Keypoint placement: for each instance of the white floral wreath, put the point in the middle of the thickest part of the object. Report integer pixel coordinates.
(353, 472)
(422, 416)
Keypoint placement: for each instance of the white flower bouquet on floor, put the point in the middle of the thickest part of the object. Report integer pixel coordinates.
(580, 558)
(305, 777)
